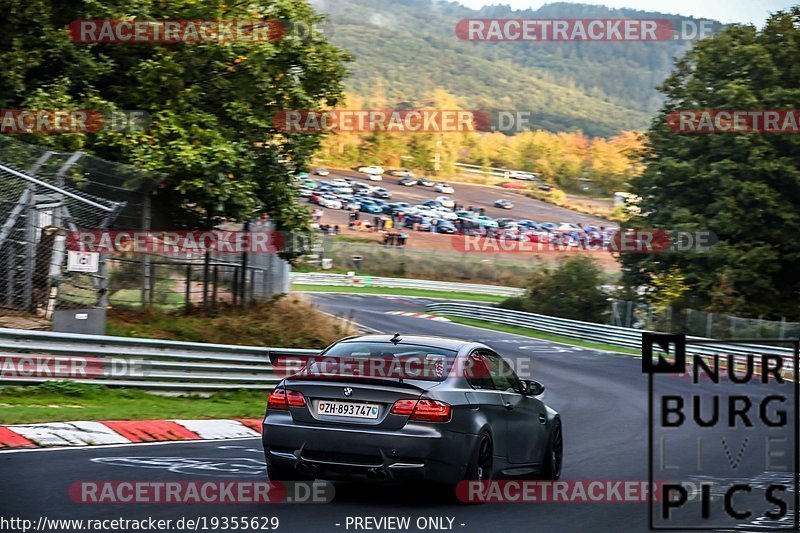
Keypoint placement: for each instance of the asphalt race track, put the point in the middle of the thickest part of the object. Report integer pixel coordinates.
(602, 398)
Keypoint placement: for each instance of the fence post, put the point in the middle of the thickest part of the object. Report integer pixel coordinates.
(146, 288)
(244, 258)
(709, 324)
(215, 282)
(188, 304)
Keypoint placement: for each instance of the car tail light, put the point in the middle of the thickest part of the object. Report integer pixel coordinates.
(283, 399)
(423, 410)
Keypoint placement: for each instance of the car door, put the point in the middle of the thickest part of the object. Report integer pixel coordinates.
(525, 416)
(486, 398)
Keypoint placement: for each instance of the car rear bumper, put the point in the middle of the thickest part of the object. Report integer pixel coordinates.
(416, 452)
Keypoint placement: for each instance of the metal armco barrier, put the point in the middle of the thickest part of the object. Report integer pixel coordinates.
(145, 363)
(589, 331)
(343, 280)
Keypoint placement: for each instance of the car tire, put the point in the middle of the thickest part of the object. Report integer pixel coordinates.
(553, 460)
(480, 465)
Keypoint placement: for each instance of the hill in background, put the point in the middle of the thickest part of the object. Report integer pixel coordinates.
(405, 49)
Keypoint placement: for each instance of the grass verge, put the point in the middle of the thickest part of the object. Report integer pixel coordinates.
(288, 322)
(526, 332)
(401, 292)
(58, 401)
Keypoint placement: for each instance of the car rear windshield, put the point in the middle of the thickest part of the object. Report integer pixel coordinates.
(384, 360)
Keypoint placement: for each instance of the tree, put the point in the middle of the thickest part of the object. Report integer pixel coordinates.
(572, 290)
(743, 187)
(212, 104)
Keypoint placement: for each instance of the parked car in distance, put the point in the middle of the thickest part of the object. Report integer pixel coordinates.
(445, 226)
(447, 214)
(319, 171)
(372, 169)
(396, 208)
(485, 222)
(569, 226)
(444, 188)
(521, 175)
(529, 225)
(426, 182)
(408, 181)
(503, 204)
(546, 188)
(380, 192)
(548, 226)
(513, 185)
(369, 207)
(305, 192)
(446, 201)
(350, 203)
(401, 173)
(343, 190)
(365, 188)
(330, 201)
(423, 220)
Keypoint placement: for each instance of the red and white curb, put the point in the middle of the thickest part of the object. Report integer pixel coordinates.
(418, 315)
(125, 432)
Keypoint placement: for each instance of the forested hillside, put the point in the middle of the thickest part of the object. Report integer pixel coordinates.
(405, 49)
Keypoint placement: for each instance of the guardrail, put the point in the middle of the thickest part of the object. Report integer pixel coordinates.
(132, 362)
(344, 280)
(601, 333)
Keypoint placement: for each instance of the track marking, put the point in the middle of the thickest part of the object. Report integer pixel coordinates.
(419, 315)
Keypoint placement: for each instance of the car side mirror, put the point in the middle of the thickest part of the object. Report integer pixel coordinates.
(533, 388)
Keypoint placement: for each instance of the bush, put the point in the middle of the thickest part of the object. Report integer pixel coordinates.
(572, 290)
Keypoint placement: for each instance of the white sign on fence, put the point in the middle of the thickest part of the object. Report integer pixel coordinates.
(83, 261)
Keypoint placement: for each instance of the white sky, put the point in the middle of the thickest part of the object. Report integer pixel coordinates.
(754, 11)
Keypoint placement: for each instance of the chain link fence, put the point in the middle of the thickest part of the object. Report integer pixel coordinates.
(699, 323)
(45, 196)
(174, 282)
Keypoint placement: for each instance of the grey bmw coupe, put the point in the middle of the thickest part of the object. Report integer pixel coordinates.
(408, 407)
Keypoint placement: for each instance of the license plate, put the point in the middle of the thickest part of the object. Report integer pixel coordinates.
(347, 409)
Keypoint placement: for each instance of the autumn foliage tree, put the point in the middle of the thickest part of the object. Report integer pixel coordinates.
(744, 187)
(212, 103)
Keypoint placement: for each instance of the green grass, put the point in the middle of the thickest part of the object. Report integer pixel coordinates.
(400, 292)
(527, 332)
(58, 401)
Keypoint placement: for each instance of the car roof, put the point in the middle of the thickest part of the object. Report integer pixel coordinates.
(421, 340)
